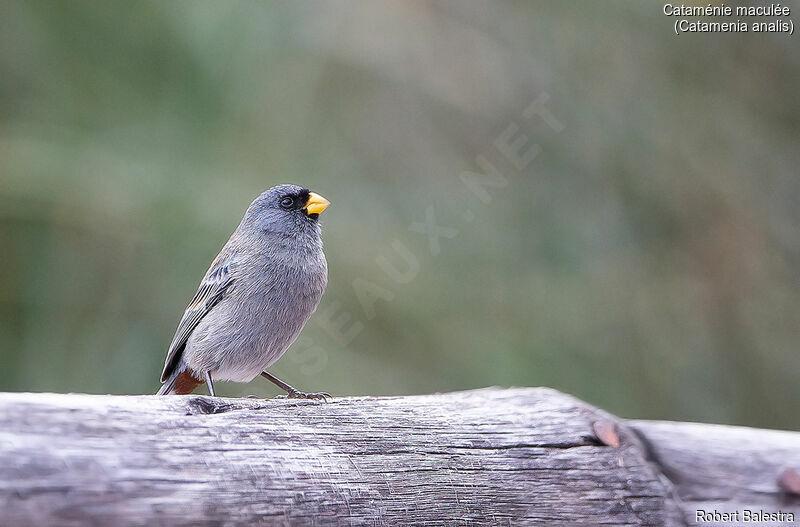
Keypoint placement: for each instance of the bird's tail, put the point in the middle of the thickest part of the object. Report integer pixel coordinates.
(180, 382)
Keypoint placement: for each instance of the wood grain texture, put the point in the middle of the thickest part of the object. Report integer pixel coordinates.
(484, 457)
(724, 468)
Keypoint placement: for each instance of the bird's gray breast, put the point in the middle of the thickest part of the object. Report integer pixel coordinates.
(266, 308)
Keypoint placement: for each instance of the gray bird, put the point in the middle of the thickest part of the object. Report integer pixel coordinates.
(255, 298)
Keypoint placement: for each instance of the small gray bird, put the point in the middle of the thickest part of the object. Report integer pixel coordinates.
(255, 298)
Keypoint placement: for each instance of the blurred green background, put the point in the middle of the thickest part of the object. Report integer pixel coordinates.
(647, 260)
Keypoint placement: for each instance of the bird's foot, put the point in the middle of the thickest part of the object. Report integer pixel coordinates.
(297, 394)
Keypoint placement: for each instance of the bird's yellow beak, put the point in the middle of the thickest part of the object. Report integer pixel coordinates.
(316, 203)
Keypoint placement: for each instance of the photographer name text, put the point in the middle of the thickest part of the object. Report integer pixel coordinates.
(744, 516)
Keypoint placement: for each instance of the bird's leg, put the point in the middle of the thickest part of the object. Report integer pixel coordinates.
(210, 384)
(291, 391)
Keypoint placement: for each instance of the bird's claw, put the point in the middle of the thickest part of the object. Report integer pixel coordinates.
(297, 394)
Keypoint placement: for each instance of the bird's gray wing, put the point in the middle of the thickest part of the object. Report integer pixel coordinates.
(212, 289)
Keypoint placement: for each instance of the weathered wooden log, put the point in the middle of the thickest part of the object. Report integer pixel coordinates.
(494, 457)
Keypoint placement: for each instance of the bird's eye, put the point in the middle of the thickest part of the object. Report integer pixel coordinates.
(287, 202)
